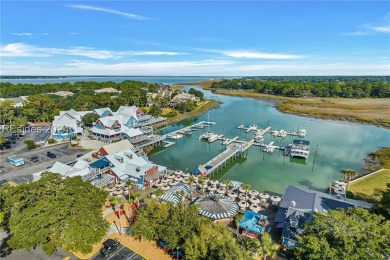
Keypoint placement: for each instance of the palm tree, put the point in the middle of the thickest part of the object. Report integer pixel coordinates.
(136, 196)
(202, 179)
(246, 187)
(268, 247)
(181, 193)
(348, 175)
(191, 181)
(250, 245)
(237, 220)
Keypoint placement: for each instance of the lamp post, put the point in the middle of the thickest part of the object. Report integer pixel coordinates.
(177, 252)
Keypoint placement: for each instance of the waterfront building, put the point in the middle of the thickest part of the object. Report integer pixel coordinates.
(80, 168)
(108, 149)
(126, 165)
(298, 206)
(103, 112)
(182, 98)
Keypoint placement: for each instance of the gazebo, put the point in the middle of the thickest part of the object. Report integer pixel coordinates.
(217, 207)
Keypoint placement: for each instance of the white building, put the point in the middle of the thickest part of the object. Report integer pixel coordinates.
(67, 124)
(81, 168)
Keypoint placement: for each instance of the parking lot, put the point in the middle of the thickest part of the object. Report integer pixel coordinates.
(121, 253)
(19, 174)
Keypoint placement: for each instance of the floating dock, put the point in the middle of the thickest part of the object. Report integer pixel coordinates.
(193, 127)
(167, 144)
(227, 141)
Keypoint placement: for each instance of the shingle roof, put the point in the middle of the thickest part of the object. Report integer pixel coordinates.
(222, 207)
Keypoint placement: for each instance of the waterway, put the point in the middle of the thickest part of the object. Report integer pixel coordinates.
(338, 144)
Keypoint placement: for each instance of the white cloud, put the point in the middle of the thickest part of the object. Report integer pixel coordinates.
(25, 34)
(111, 11)
(26, 50)
(247, 54)
(385, 29)
(357, 33)
(195, 68)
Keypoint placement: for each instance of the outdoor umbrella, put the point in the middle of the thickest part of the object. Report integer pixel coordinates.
(214, 182)
(275, 200)
(264, 196)
(242, 204)
(243, 197)
(221, 191)
(185, 175)
(178, 178)
(222, 185)
(171, 176)
(242, 190)
(165, 187)
(173, 183)
(254, 200)
(117, 192)
(253, 193)
(111, 189)
(232, 194)
(165, 180)
(254, 208)
(212, 188)
(185, 180)
(202, 185)
(158, 184)
(178, 173)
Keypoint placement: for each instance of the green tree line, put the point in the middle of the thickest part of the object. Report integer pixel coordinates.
(329, 88)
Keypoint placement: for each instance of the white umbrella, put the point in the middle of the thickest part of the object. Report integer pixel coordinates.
(232, 194)
(173, 183)
(165, 180)
(221, 191)
(275, 200)
(202, 185)
(222, 185)
(242, 190)
(243, 197)
(212, 188)
(165, 187)
(185, 175)
(242, 204)
(195, 178)
(254, 208)
(185, 180)
(264, 196)
(111, 189)
(253, 193)
(158, 184)
(178, 178)
(254, 200)
(120, 185)
(171, 176)
(178, 173)
(214, 182)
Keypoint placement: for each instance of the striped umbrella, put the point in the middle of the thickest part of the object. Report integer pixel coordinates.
(253, 193)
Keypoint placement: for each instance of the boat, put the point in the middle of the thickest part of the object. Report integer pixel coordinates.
(268, 149)
(300, 149)
(282, 133)
(259, 139)
(205, 136)
(214, 137)
(275, 133)
(186, 132)
(200, 126)
(302, 133)
(241, 126)
(174, 136)
(252, 126)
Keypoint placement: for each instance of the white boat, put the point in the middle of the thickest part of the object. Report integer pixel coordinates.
(214, 137)
(282, 133)
(302, 133)
(252, 126)
(241, 126)
(300, 149)
(174, 136)
(259, 139)
(205, 136)
(275, 133)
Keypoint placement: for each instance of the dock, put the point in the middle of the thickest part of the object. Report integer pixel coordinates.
(262, 132)
(199, 125)
(227, 141)
(167, 144)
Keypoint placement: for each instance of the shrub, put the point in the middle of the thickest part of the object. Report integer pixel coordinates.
(30, 144)
(171, 114)
(350, 194)
(51, 141)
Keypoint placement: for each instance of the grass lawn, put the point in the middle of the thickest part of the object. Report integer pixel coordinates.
(364, 188)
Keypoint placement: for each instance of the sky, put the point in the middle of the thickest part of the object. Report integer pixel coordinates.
(195, 38)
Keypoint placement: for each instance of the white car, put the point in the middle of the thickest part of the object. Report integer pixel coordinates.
(41, 142)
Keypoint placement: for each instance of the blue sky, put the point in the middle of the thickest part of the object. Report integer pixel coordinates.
(195, 38)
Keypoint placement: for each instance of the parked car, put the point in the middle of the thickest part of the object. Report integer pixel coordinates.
(51, 155)
(109, 246)
(40, 142)
(34, 158)
(5, 146)
(12, 139)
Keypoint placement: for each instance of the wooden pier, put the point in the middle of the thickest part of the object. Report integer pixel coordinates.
(261, 132)
(191, 127)
(227, 141)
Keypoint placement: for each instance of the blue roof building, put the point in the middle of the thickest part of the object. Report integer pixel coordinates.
(254, 224)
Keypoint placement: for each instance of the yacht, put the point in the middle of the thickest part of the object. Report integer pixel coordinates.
(282, 133)
(205, 136)
(213, 137)
(174, 136)
(300, 149)
(259, 139)
(302, 133)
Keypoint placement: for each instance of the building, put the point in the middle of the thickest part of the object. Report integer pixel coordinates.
(182, 98)
(298, 206)
(81, 168)
(108, 149)
(103, 112)
(253, 224)
(67, 124)
(18, 101)
(107, 90)
(126, 166)
(300, 149)
(62, 93)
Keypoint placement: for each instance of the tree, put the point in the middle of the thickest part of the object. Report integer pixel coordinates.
(89, 119)
(345, 234)
(30, 144)
(54, 212)
(2, 140)
(155, 111)
(191, 181)
(348, 175)
(267, 247)
(250, 245)
(226, 182)
(246, 187)
(237, 219)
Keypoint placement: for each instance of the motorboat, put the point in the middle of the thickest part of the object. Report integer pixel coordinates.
(302, 133)
(205, 136)
(300, 149)
(259, 139)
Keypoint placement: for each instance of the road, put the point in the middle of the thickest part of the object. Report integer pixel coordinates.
(24, 173)
(121, 253)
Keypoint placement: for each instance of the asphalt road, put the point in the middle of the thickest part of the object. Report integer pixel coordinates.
(24, 173)
(121, 253)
